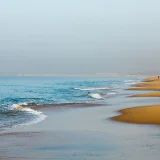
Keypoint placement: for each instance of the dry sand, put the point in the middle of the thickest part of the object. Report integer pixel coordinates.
(145, 114)
(147, 85)
(140, 115)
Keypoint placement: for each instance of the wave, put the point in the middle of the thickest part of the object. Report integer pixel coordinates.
(96, 96)
(26, 109)
(27, 103)
(92, 89)
(130, 82)
(38, 116)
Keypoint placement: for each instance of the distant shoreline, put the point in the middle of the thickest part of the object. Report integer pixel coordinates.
(114, 75)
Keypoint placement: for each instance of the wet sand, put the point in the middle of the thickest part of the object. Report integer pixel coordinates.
(150, 94)
(63, 106)
(82, 133)
(145, 88)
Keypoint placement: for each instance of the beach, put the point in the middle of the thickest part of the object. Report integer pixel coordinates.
(79, 80)
(92, 136)
(84, 131)
(142, 114)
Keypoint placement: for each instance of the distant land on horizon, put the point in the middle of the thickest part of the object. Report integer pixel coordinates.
(83, 75)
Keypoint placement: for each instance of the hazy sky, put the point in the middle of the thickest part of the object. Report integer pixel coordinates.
(79, 36)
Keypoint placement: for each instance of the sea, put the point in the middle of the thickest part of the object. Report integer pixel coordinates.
(18, 93)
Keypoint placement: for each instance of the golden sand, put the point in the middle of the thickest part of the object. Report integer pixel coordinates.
(151, 94)
(152, 78)
(145, 114)
(147, 85)
(140, 115)
(145, 89)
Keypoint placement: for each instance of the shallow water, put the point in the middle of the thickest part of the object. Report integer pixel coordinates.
(17, 91)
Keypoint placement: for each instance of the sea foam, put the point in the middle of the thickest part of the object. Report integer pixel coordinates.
(95, 95)
(92, 89)
(38, 116)
(130, 82)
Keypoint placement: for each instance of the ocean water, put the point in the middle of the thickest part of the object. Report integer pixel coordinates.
(17, 93)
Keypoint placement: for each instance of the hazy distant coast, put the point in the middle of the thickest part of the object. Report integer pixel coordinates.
(84, 75)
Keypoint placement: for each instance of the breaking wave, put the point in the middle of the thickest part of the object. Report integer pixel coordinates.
(37, 116)
(130, 82)
(92, 89)
(26, 109)
(96, 96)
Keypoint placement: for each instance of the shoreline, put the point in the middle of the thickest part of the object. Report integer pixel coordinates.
(150, 94)
(76, 134)
(82, 131)
(142, 114)
(63, 105)
(139, 115)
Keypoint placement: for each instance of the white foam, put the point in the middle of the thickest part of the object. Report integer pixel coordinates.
(111, 93)
(36, 120)
(129, 82)
(95, 95)
(14, 106)
(39, 115)
(23, 104)
(92, 89)
(19, 107)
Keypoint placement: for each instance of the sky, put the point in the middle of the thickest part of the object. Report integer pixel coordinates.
(79, 36)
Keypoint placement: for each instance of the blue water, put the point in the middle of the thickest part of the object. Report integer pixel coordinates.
(50, 90)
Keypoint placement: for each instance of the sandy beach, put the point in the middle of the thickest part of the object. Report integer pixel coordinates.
(148, 84)
(79, 80)
(140, 115)
(143, 114)
(78, 131)
(80, 134)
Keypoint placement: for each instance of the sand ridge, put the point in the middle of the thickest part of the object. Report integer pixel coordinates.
(143, 114)
(147, 85)
(140, 115)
